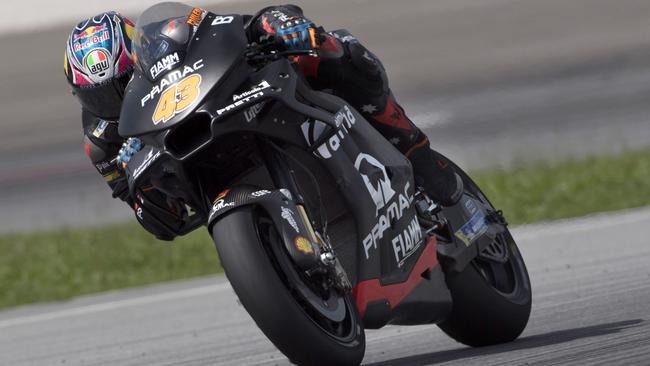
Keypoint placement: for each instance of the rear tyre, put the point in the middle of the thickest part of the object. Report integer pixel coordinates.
(263, 283)
(492, 296)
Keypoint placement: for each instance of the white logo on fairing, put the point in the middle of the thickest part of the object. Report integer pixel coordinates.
(219, 205)
(170, 79)
(287, 214)
(376, 179)
(261, 193)
(257, 88)
(222, 20)
(406, 243)
(394, 213)
(145, 163)
(165, 63)
(246, 97)
(344, 121)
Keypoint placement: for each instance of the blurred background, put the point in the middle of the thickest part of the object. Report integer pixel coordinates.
(545, 102)
(494, 83)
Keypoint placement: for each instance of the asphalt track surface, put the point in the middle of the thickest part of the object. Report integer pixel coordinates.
(492, 82)
(591, 290)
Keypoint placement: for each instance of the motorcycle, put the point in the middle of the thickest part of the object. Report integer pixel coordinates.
(315, 216)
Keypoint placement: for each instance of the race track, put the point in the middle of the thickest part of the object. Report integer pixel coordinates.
(591, 290)
(492, 82)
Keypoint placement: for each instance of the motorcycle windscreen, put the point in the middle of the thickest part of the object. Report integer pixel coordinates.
(178, 63)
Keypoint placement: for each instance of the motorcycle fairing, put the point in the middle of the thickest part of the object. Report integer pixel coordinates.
(375, 179)
(212, 53)
(281, 208)
(376, 182)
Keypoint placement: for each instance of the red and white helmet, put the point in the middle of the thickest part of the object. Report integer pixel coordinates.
(98, 63)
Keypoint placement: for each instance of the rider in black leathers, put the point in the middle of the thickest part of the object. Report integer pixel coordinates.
(344, 65)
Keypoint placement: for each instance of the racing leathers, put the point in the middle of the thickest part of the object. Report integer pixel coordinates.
(162, 216)
(344, 66)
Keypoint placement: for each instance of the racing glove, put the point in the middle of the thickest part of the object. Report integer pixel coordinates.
(289, 24)
(129, 148)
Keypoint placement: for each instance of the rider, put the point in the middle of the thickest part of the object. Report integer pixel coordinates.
(98, 66)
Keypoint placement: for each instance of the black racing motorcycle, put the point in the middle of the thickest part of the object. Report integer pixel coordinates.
(315, 216)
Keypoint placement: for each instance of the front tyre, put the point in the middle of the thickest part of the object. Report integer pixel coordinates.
(492, 296)
(265, 286)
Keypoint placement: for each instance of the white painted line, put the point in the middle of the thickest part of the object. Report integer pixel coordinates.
(112, 305)
(587, 223)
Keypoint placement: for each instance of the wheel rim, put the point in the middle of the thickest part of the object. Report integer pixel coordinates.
(344, 331)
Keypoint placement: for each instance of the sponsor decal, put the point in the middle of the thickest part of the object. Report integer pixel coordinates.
(220, 202)
(253, 111)
(376, 180)
(91, 36)
(256, 89)
(344, 120)
(165, 63)
(393, 213)
(89, 32)
(475, 227)
(196, 17)
(220, 205)
(303, 245)
(218, 20)
(101, 127)
(261, 193)
(289, 215)
(407, 242)
(245, 97)
(146, 163)
(171, 79)
(97, 61)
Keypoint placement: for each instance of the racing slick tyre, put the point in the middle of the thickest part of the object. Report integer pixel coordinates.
(247, 243)
(492, 296)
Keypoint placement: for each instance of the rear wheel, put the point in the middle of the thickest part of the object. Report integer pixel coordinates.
(310, 325)
(492, 296)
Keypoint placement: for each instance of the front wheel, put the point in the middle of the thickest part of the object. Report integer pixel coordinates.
(492, 296)
(266, 284)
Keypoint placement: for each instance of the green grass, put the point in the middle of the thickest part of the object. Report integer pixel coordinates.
(61, 264)
(569, 189)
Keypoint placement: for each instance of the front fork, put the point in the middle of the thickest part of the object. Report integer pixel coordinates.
(284, 177)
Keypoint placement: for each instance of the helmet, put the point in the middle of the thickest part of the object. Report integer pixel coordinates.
(98, 63)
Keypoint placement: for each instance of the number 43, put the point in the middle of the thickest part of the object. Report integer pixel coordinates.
(177, 98)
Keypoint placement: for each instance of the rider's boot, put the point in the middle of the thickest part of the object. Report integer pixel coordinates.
(434, 173)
